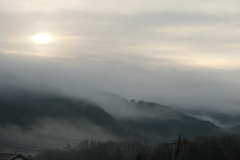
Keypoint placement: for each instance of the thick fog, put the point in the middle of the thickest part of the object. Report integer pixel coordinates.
(175, 86)
(49, 134)
(112, 85)
(111, 56)
(181, 54)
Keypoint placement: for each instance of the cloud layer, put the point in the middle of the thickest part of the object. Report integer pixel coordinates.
(180, 53)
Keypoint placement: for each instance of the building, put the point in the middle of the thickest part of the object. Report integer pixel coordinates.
(11, 156)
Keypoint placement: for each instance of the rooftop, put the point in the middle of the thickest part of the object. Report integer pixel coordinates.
(11, 156)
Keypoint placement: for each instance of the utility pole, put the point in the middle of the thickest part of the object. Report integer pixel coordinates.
(178, 144)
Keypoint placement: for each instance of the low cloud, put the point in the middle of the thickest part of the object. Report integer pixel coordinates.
(167, 85)
(50, 134)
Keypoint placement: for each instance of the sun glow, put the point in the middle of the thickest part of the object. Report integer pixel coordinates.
(42, 38)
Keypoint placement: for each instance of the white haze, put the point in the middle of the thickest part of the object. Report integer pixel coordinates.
(177, 53)
(169, 85)
(48, 133)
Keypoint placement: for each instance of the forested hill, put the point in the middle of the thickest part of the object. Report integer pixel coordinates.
(25, 108)
(157, 122)
(144, 121)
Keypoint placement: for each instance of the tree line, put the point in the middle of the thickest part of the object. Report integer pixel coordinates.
(226, 147)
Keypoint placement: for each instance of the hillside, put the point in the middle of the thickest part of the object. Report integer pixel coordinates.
(157, 122)
(118, 117)
(25, 108)
(236, 129)
(166, 122)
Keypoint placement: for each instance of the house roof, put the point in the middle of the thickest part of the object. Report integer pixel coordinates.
(11, 156)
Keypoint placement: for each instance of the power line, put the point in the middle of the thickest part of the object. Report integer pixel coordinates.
(56, 138)
(46, 136)
(37, 148)
(24, 146)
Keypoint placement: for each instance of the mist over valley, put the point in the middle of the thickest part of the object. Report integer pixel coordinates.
(119, 80)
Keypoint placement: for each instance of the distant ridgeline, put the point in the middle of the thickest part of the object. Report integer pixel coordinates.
(25, 109)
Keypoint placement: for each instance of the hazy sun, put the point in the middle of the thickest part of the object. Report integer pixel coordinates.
(42, 38)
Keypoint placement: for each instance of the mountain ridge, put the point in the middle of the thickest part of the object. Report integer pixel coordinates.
(145, 121)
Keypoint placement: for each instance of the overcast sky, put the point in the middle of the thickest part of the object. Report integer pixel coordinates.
(180, 53)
